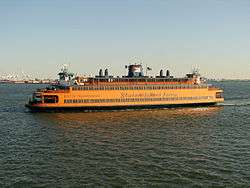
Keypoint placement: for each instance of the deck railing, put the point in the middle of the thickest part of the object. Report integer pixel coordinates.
(141, 87)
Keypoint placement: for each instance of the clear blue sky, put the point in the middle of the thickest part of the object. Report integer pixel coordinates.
(39, 36)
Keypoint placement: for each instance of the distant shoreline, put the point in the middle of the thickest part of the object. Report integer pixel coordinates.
(11, 82)
(230, 80)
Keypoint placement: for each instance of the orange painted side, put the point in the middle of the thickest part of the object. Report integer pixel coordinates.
(140, 97)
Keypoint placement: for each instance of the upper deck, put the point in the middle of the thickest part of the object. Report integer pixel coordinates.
(130, 81)
(135, 80)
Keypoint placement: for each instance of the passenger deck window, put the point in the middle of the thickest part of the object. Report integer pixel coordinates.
(50, 99)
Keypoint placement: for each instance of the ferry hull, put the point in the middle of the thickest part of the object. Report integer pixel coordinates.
(104, 108)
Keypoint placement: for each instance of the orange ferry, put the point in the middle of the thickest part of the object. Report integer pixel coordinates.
(132, 91)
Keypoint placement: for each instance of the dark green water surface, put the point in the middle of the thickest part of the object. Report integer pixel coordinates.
(191, 147)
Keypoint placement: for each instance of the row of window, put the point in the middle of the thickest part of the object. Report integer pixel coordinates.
(134, 99)
(144, 87)
(136, 79)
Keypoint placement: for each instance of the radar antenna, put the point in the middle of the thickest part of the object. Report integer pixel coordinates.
(195, 70)
(64, 67)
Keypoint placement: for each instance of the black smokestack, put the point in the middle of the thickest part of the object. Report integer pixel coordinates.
(106, 73)
(167, 73)
(161, 73)
(100, 73)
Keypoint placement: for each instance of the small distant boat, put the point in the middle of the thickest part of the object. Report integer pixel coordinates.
(132, 91)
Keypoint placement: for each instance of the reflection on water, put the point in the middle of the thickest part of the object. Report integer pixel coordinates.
(113, 124)
(183, 127)
(128, 115)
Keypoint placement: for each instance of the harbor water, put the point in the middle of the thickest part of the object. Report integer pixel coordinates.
(205, 146)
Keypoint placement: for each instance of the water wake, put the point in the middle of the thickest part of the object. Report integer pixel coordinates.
(235, 103)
